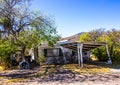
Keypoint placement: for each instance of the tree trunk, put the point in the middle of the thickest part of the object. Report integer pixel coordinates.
(36, 55)
(23, 52)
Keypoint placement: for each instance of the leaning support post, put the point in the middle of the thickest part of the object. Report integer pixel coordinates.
(81, 56)
(109, 60)
(78, 49)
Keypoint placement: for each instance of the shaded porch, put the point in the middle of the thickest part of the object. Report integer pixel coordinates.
(81, 47)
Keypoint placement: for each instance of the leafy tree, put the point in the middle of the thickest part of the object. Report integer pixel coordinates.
(13, 19)
(85, 37)
(24, 28)
(112, 37)
(92, 36)
(114, 43)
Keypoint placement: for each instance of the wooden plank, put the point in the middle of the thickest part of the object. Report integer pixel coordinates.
(78, 49)
(81, 55)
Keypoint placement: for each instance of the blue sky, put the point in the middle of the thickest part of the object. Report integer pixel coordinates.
(74, 16)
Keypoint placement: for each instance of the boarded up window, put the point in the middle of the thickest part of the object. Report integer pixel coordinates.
(52, 52)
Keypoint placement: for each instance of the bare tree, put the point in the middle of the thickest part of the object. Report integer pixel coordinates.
(114, 35)
(95, 34)
(14, 17)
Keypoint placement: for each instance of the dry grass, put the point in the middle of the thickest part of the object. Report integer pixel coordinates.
(17, 80)
(2, 68)
(87, 69)
(45, 71)
(93, 58)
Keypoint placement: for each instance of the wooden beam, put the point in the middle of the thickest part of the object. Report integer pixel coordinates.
(92, 45)
(78, 49)
(109, 60)
(81, 54)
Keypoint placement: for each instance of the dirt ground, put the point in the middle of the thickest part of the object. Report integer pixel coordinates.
(62, 77)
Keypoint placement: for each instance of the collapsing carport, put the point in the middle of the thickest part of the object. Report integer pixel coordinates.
(81, 47)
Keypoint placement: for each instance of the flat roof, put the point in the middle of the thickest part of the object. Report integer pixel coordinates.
(87, 46)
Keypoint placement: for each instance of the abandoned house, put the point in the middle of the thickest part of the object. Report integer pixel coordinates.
(68, 50)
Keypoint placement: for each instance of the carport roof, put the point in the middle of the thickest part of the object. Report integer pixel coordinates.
(87, 46)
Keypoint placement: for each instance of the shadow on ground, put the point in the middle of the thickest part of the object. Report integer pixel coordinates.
(58, 74)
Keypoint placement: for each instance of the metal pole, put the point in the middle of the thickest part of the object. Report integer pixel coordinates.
(109, 61)
(81, 56)
(78, 49)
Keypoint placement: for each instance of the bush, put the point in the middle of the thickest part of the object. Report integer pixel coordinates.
(5, 61)
(42, 59)
(6, 49)
(101, 54)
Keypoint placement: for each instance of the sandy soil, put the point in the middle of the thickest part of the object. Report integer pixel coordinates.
(64, 77)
